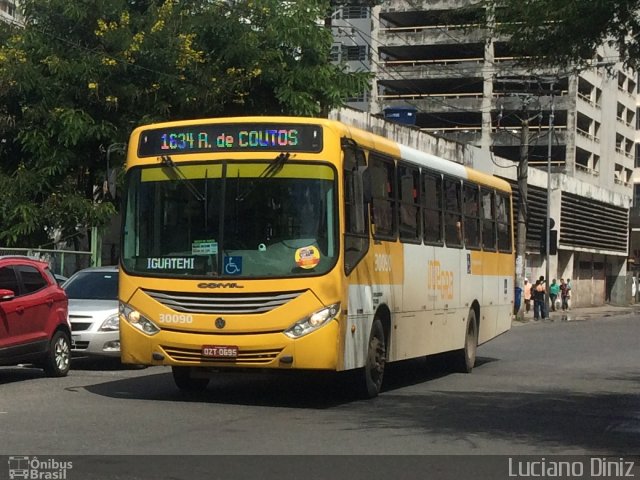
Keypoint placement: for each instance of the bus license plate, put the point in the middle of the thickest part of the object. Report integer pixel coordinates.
(219, 351)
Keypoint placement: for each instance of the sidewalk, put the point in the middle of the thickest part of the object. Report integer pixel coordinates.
(582, 313)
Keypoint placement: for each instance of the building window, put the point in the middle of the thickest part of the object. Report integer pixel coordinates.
(334, 56)
(361, 97)
(636, 194)
(355, 12)
(354, 53)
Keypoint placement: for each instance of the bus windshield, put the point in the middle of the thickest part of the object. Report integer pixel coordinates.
(231, 219)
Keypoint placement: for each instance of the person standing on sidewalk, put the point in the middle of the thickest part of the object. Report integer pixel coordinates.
(537, 292)
(554, 290)
(527, 296)
(544, 311)
(564, 295)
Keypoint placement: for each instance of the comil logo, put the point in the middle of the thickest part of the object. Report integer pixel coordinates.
(38, 469)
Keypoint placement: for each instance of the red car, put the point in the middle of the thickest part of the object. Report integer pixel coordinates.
(34, 324)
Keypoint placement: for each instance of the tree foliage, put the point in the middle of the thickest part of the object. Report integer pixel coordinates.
(568, 33)
(80, 75)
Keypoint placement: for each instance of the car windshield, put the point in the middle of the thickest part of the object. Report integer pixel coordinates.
(93, 286)
(247, 220)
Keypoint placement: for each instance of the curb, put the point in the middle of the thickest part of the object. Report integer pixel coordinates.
(577, 316)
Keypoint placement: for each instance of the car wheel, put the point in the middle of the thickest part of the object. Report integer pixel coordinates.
(184, 381)
(58, 358)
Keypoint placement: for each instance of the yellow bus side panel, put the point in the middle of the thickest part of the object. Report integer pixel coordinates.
(428, 292)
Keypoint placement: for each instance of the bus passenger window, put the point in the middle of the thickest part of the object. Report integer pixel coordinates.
(471, 216)
(503, 217)
(409, 205)
(452, 213)
(356, 235)
(432, 195)
(383, 196)
(488, 220)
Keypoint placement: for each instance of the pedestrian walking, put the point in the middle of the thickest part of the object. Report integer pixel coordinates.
(554, 290)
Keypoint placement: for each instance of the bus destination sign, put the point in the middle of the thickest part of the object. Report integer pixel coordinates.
(230, 137)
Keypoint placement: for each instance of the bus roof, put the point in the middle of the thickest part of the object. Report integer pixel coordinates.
(423, 159)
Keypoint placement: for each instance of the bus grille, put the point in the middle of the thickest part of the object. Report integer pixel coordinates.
(222, 303)
(254, 357)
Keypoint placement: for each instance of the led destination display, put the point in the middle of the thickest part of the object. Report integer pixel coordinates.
(230, 138)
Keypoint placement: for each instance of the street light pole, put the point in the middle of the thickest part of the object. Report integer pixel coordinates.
(548, 215)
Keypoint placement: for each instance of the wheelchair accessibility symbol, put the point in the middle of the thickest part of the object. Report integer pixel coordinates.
(233, 265)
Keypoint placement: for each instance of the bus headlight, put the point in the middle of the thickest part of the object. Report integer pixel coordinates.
(313, 322)
(138, 320)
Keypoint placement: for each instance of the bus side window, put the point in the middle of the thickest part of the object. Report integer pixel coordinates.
(488, 220)
(432, 207)
(452, 213)
(503, 217)
(409, 204)
(383, 196)
(356, 236)
(471, 207)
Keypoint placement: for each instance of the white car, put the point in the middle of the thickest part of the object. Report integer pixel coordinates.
(93, 311)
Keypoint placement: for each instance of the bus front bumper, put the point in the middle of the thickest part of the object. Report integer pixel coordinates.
(317, 351)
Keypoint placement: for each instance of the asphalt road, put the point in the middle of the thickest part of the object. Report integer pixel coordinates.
(541, 389)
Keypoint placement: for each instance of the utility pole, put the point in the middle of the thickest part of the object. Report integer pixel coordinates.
(521, 240)
(548, 216)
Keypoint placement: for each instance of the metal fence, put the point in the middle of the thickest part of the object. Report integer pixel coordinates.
(61, 262)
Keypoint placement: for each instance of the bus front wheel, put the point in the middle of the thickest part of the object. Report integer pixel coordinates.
(465, 358)
(184, 381)
(375, 361)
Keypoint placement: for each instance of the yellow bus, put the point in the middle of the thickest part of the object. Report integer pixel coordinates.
(305, 243)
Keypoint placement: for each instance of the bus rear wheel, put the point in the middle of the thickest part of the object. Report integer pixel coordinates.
(465, 358)
(375, 362)
(185, 382)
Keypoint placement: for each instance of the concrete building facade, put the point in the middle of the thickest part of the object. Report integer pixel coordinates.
(431, 56)
(9, 11)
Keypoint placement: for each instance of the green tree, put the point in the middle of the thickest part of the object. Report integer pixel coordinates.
(567, 33)
(80, 75)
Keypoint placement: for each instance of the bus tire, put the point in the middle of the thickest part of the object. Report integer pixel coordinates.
(373, 371)
(465, 358)
(185, 382)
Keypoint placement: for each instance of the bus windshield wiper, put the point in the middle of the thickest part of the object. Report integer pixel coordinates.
(168, 162)
(272, 169)
(275, 167)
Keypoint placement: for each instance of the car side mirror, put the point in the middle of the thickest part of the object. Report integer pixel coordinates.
(6, 294)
